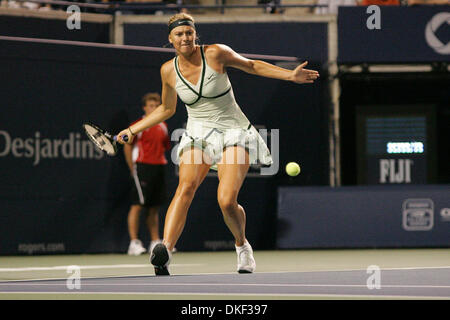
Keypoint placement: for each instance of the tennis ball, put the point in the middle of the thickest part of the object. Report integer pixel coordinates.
(292, 169)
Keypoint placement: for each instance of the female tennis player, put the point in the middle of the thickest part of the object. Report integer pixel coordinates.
(218, 134)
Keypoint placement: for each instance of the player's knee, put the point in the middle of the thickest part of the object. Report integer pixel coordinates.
(187, 188)
(227, 203)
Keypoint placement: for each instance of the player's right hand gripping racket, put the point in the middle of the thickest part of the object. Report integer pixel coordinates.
(102, 139)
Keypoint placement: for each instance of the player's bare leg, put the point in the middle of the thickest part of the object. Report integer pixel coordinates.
(192, 172)
(232, 171)
(231, 176)
(191, 175)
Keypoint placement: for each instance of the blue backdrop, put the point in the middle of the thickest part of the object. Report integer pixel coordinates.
(363, 217)
(406, 34)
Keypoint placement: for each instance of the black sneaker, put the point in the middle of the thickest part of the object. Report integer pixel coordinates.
(162, 271)
(160, 258)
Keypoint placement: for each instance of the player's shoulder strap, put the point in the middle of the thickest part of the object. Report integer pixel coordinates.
(198, 94)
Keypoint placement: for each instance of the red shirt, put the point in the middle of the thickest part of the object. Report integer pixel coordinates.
(151, 144)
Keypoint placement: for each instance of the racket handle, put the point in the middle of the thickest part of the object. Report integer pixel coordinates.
(124, 137)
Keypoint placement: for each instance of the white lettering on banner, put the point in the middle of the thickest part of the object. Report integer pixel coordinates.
(33, 248)
(432, 26)
(395, 170)
(38, 148)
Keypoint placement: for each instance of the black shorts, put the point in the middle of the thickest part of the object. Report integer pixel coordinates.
(149, 185)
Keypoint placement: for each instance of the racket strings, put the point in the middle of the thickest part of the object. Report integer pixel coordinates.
(98, 136)
(100, 139)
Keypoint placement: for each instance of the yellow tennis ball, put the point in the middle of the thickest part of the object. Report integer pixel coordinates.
(292, 169)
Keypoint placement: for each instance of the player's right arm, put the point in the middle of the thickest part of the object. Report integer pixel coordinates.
(164, 111)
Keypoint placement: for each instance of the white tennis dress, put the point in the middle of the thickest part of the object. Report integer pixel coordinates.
(215, 120)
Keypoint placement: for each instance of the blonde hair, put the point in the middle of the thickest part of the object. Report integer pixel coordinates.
(179, 16)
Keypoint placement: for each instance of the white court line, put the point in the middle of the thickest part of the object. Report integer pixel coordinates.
(175, 265)
(341, 270)
(225, 284)
(364, 269)
(152, 275)
(5, 281)
(414, 268)
(114, 266)
(378, 296)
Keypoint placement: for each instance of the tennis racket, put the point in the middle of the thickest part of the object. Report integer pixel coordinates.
(102, 139)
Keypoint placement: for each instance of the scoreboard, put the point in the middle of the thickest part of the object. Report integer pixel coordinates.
(395, 144)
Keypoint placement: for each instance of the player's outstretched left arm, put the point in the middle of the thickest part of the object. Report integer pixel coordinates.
(226, 56)
(302, 75)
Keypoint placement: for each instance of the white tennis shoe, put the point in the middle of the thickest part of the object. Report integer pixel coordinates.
(245, 261)
(135, 248)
